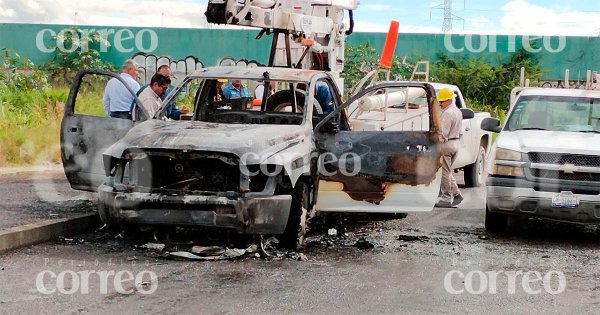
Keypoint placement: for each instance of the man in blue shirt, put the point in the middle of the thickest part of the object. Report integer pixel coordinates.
(324, 97)
(235, 90)
(117, 98)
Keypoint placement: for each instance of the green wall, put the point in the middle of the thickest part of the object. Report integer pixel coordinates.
(210, 45)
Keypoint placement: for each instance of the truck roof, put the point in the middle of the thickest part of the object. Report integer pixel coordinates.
(560, 92)
(256, 73)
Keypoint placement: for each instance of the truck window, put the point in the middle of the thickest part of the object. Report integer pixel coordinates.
(556, 113)
(235, 101)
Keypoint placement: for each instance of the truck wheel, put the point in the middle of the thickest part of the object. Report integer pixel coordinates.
(475, 173)
(295, 230)
(495, 222)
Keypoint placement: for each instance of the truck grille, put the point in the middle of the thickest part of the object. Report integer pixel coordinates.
(549, 174)
(558, 158)
(561, 159)
(181, 171)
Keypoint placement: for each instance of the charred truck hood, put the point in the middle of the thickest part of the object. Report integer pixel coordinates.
(262, 141)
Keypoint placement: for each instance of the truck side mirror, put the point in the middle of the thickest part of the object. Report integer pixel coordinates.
(491, 124)
(467, 113)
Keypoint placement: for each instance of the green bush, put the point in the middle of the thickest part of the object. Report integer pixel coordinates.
(19, 73)
(85, 55)
(363, 58)
(482, 82)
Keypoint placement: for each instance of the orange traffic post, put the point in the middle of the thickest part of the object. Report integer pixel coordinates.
(390, 45)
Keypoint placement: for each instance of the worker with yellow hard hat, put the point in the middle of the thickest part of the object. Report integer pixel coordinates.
(451, 120)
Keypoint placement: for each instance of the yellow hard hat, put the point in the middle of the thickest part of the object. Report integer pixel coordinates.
(445, 94)
(222, 80)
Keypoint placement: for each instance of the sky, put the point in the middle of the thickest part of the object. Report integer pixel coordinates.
(526, 17)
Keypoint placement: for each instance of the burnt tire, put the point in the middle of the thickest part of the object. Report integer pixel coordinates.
(475, 173)
(295, 230)
(281, 99)
(495, 222)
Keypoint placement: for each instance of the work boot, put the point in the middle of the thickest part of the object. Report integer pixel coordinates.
(457, 200)
(443, 204)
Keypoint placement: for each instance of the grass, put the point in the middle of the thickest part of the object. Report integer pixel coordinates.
(30, 123)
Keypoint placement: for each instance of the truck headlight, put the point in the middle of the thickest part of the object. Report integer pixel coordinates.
(508, 163)
(509, 155)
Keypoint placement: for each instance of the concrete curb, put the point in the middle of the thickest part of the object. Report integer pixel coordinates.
(35, 233)
(11, 170)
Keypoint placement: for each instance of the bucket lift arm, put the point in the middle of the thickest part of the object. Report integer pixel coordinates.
(318, 20)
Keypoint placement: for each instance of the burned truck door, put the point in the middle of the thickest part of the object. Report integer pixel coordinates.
(376, 170)
(86, 130)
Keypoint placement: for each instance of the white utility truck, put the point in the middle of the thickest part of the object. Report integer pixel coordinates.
(546, 159)
(406, 110)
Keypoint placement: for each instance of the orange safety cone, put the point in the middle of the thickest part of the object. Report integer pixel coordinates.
(390, 45)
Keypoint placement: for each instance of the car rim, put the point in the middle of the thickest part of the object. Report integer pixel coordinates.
(480, 166)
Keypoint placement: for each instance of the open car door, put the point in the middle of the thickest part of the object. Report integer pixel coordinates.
(86, 130)
(379, 171)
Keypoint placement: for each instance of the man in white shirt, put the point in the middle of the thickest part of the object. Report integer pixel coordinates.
(117, 98)
(150, 97)
(451, 128)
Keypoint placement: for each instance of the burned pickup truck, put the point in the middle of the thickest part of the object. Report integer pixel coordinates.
(256, 168)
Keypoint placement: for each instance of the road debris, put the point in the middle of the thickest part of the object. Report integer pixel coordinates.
(120, 235)
(412, 238)
(302, 257)
(186, 255)
(208, 250)
(153, 246)
(363, 243)
(229, 253)
(73, 240)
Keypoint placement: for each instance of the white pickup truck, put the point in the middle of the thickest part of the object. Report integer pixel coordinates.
(402, 115)
(546, 159)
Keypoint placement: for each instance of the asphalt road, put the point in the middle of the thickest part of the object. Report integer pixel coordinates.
(403, 272)
(31, 197)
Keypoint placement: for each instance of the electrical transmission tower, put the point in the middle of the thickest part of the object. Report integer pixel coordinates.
(447, 26)
(448, 16)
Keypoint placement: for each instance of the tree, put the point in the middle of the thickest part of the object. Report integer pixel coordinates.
(363, 58)
(18, 73)
(483, 82)
(76, 50)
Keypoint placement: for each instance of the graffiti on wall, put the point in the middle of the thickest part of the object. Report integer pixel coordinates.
(244, 63)
(572, 84)
(148, 64)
